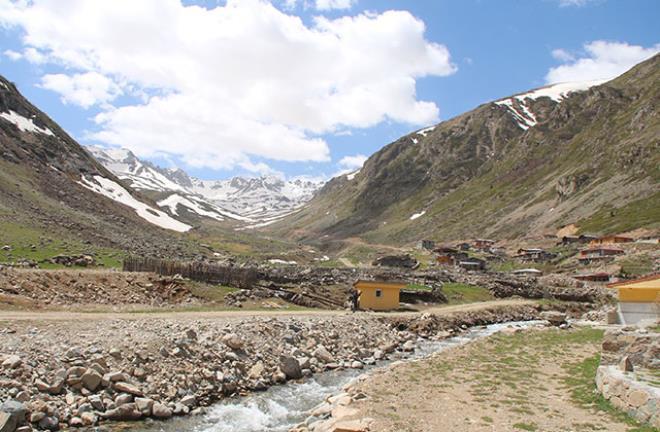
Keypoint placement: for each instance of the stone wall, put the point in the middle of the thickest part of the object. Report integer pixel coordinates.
(637, 398)
(629, 364)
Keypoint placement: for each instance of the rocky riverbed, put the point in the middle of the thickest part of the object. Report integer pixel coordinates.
(85, 373)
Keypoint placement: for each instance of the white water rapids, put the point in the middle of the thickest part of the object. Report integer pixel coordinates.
(282, 407)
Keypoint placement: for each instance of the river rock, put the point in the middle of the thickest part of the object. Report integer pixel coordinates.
(161, 411)
(124, 412)
(89, 418)
(554, 318)
(189, 401)
(256, 370)
(144, 405)
(290, 366)
(12, 362)
(14, 414)
(91, 379)
(125, 387)
(323, 354)
(233, 341)
(50, 423)
(7, 422)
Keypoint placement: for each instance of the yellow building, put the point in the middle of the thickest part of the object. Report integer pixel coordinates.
(376, 295)
(639, 299)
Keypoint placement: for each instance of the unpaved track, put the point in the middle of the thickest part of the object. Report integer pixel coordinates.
(7, 315)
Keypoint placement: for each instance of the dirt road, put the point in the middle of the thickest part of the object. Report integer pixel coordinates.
(6, 315)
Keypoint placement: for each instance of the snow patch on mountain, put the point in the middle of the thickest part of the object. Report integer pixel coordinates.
(351, 176)
(425, 131)
(24, 124)
(116, 192)
(519, 107)
(418, 215)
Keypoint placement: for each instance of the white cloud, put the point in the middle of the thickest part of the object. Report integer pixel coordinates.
(579, 3)
(353, 162)
(562, 55)
(602, 60)
(224, 85)
(85, 89)
(13, 55)
(334, 4)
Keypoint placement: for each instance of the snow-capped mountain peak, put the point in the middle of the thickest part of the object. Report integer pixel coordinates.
(258, 201)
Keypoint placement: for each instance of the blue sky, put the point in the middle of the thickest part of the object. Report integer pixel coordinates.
(302, 87)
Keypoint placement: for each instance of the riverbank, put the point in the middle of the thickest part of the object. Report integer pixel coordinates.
(86, 372)
(533, 380)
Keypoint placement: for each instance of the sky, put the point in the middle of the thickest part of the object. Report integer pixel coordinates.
(297, 88)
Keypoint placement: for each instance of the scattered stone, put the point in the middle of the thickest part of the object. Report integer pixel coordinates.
(625, 364)
(126, 412)
(161, 411)
(323, 354)
(233, 341)
(12, 362)
(127, 388)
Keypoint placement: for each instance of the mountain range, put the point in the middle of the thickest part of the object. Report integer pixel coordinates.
(579, 154)
(252, 201)
(584, 155)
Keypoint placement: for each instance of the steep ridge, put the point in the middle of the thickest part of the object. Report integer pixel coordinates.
(583, 153)
(50, 184)
(255, 201)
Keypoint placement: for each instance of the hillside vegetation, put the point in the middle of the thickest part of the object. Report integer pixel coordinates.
(591, 159)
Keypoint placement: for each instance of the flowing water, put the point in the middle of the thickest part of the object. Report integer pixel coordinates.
(282, 407)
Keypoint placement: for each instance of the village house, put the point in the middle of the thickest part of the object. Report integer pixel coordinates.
(447, 255)
(472, 264)
(464, 246)
(528, 272)
(610, 239)
(484, 244)
(378, 295)
(593, 277)
(598, 254)
(639, 299)
(534, 255)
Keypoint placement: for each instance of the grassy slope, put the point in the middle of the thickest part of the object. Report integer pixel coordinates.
(603, 142)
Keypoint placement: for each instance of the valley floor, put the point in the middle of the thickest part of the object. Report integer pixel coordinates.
(183, 314)
(539, 380)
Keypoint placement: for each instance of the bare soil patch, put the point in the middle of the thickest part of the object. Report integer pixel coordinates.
(509, 382)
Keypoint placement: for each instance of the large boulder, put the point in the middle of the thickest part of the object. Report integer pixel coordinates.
(554, 318)
(12, 415)
(290, 366)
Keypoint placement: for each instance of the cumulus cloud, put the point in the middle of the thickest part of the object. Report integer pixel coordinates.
(601, 60)
(224, 85)
(352, 162)
(84, 89)
(334, 4)
(562, 55)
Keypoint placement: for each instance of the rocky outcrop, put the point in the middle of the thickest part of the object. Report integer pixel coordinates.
(629, 364)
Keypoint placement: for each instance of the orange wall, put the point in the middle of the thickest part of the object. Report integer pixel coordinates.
(388, 301)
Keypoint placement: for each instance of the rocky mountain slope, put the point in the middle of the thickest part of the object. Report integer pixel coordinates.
(584, 153)
(50, 188)
(255, 201)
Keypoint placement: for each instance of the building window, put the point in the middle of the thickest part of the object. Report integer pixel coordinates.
(379, 293)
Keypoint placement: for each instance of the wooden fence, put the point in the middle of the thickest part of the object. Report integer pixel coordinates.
(199, 271)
